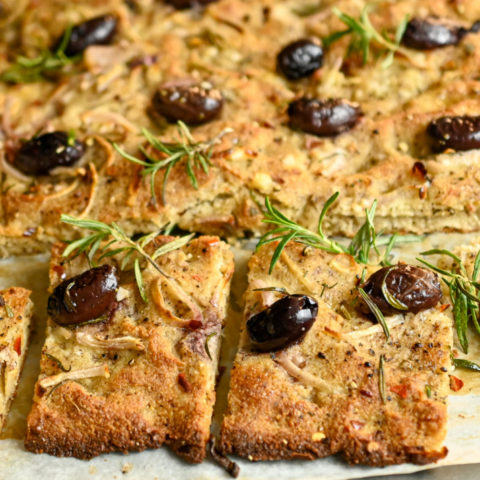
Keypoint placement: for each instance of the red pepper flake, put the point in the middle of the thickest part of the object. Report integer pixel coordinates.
(198, 278)
(422, 192)
(443, 307)
(419, 170)
(17, 346)
(195, 324)
(366, 393)
(455, 383)
(400, 390)
(184, 383)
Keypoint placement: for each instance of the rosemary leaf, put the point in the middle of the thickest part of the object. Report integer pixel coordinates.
(28, 70)
(364, 35)
(467, 364)
(9, 311)
(428, 391)
(381, 379)
(376, 312)
(359, 248)
(213, 334)
(195, 155)
(464, 292)
(119, 242)
(139, 279)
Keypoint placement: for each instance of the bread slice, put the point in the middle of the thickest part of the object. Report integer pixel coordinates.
(144, 376)
(108, 98)
(15, 317)
(324, 395)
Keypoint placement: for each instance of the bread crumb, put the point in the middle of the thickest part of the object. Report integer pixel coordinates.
(127, 467)
(92, 469)
(318, 436)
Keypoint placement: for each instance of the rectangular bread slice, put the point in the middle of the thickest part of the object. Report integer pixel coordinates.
(324, 395)
(144, 375)
(386, 156)
(15, 317)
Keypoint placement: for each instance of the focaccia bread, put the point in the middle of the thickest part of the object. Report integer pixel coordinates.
(15, 317)
(143, 375)
(232, 46)
(344, 388)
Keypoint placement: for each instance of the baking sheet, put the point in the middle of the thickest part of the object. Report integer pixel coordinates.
(463, 439)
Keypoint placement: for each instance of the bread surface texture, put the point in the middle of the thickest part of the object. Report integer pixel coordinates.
(155, 382)
(232, 45)
(324, 395)
(15, 322)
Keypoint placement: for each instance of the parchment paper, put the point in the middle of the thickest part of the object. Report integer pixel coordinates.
(463, 439)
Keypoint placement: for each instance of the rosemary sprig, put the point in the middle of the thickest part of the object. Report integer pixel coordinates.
(376, 311)
(119, 242)
(28, 70)
(360, 246)
(186, 149)
(464, 292)
(363, 35)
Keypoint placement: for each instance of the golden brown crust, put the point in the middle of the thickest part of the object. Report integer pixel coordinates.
(233, 45)
(161, 394)
(15, 325)
(322, 396)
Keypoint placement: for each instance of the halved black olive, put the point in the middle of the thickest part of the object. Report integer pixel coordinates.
(325, 118)
(96, 31)
(403, 288)
(300, 59)
(457, 133)
(182, 4)
(42, 154)
(85, 297)
(193, 105)
(283, 323)
(429, 33)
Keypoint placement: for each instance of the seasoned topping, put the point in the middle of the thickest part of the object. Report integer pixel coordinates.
(429, 33)
(194, 104)
(300, 59)
(42, 154)
(181, 4)
(283, 323)
(457, 133)
(325, 118)
(86, 297)
(96, 31)
(403, 288)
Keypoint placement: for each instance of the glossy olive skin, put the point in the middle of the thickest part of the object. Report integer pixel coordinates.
(40, 155)
(300, 59)
(182, 4)
(283, 323)
(458, 133)
(430, 33)
(85, 297)
(96, 31)
(193, 105)
(324, 118)
(415, 287)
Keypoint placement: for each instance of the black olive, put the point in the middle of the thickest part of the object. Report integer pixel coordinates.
(430, 33)
(182, 4)
(403, 288)
(283, 323)
(457, 133)
(193, 105)
(85, 297)
(300, 59)
(325, 118)
(42, 154)
(96, 31)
